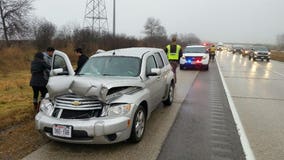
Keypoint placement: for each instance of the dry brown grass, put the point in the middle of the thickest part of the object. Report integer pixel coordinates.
(15, 58)
(15, 99)
(15, 92)
(277, 55)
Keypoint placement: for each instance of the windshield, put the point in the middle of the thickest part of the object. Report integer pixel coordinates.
(194, 50)
(260, 48)
(112, 66)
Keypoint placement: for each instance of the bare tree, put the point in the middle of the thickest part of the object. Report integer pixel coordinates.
(14, 14)
(153, 28)
(188, 39)
(85, 38)
(44, 32)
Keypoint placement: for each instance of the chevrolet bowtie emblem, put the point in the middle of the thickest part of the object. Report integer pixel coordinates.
(76, 103)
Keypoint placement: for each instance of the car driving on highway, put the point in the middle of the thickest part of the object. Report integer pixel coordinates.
(109, 100)
(195, 56)
(238, 49)
(260, 52)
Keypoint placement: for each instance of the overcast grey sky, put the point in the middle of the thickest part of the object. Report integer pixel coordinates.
(249, 21)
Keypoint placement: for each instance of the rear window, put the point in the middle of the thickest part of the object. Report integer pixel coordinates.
(194, 50)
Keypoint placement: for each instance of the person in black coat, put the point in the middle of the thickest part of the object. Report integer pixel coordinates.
(82, 59)
(38, 81)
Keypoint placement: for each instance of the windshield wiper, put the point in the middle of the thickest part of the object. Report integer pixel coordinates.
(107, 74)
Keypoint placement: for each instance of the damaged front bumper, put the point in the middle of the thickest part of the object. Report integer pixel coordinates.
(90, 131)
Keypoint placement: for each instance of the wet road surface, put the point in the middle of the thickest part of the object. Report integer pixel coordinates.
(257, 90)
(204, 128)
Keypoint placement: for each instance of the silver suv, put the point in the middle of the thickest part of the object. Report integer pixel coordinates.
(109, 100)
(259, 52)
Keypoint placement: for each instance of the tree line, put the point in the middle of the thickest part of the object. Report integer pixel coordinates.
(18, 24)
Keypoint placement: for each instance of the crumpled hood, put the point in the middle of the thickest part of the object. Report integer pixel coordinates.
(91, 86)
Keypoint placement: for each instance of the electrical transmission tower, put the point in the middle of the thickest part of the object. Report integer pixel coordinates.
(96, 17)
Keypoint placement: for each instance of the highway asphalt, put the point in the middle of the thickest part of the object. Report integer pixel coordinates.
(204, 128)
(257, 90)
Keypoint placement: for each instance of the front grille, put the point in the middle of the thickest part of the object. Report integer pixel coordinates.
(79, 114)
(77, 107)
(77, 101)
(260, 53)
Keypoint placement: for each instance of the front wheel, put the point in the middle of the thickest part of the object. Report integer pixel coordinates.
(138, 126)
(170, 97)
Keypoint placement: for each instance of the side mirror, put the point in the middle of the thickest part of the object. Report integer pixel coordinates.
(58, 71)
(154, 72)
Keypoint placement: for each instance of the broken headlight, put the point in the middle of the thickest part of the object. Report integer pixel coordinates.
(46, 106)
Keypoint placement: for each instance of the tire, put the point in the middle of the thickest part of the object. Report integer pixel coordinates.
(138, 125)
(170, 97)
(206, 67)
(267, 60)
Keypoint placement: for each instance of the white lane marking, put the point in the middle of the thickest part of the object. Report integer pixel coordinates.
(244, 140)
(278, 73)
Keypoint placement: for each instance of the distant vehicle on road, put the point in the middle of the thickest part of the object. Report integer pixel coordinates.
(195, 56)
(220, 46)
(247, 50)
(109, 100)
(238, 49)
(260, 52)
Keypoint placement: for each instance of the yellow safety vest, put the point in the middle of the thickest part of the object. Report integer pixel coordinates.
(212, 49)
(173, 56)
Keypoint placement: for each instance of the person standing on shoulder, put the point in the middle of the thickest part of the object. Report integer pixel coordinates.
(174, 52)
(212, 51)
(38, 81)
(81, 60)
(47, 57)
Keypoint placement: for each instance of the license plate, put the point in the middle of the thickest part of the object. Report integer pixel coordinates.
(62, 130)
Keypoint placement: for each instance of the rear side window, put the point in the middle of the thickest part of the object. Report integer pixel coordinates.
(159, 60)
(150, 64)
(164, 57)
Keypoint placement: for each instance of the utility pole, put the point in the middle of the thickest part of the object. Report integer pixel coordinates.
(113, 31)
(96, 16)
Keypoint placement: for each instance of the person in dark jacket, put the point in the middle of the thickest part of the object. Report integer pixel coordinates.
(38, 81)
(82, 59)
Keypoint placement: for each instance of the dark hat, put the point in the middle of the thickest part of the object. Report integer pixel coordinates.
(39, 55)
(50, 49)
(79, 50)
